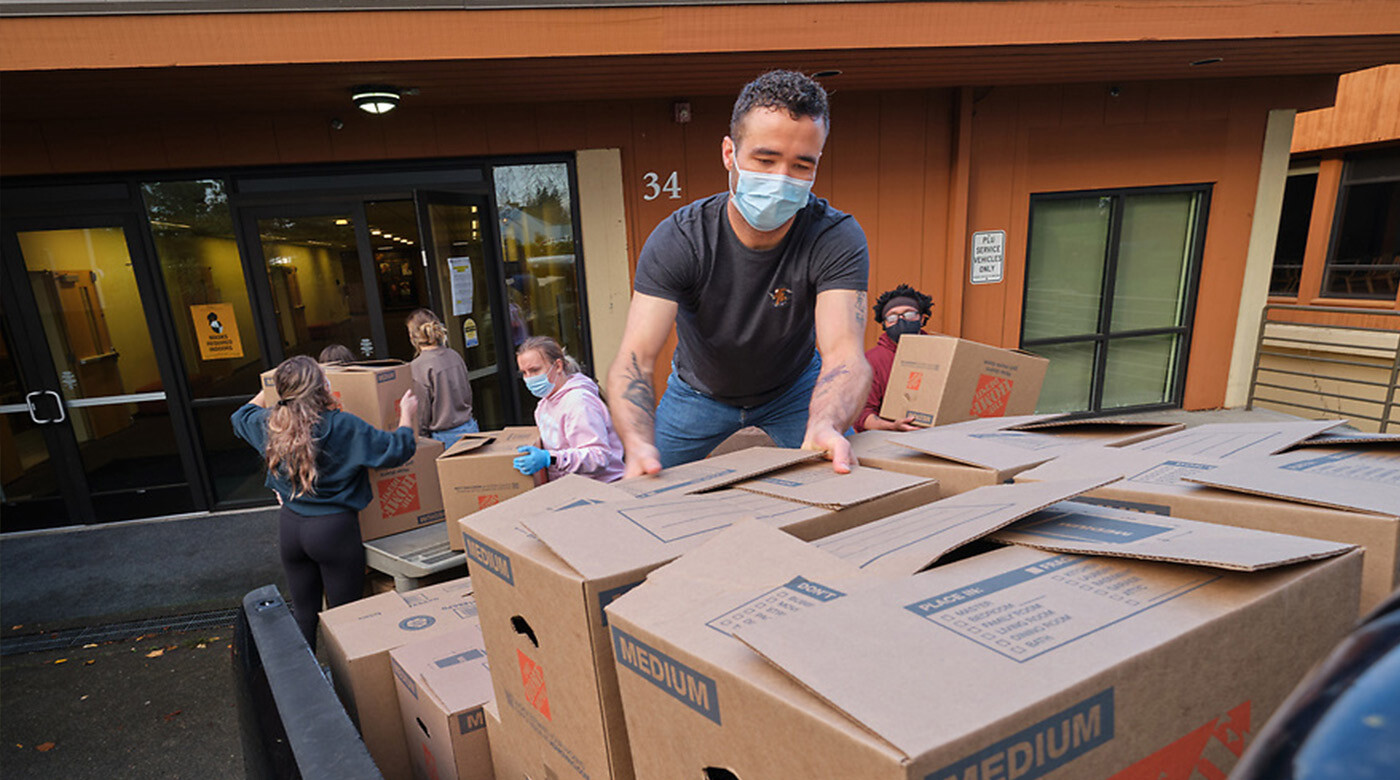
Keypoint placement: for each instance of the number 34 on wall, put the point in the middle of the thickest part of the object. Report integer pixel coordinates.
(654, 187)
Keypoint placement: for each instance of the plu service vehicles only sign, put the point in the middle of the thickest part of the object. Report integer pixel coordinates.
(988, 256)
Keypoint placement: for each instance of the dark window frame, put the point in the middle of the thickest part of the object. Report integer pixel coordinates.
(1105, 334)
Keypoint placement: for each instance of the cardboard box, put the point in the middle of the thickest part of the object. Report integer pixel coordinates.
(976, 453)
(551, 574)
(404, 497)
(940, 379)
(369, 390)
(506, 753)
(478, 471)
(1246, 475)
(443, 685)
(357, 638)
(766, 657)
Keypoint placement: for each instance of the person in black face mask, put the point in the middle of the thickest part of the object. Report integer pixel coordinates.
(899, 311)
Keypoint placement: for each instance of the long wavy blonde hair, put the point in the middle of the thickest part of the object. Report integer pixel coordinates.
(425, 330)
(291, 447)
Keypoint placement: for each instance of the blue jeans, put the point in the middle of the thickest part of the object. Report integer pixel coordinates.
(450, 436)
(689, 424)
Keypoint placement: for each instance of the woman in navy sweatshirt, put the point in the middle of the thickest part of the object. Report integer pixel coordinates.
(316, 460)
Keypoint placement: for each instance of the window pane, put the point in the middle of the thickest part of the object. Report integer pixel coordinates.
(1139, 371)
(1154, 249)
(318, 293)
(1366, 253)
(1069, 379)
(1065, 266)
(398, 269)
(194, 243)
(235, 469)
(537, 247)
(1292, 233)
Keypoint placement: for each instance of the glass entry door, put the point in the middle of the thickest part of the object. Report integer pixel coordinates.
(84, 382)
(468, 292)
(1110, 293)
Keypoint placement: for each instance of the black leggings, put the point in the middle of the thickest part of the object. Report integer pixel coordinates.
(321, 552)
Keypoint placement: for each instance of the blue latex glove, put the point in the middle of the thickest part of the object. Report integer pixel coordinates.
(533, 460)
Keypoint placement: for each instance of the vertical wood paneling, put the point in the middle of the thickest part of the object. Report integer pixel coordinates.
(896, 251)
(510, 129)
(24, 149)
(302, 137)
(461, 131)
(992, 192)
(853, 155)
(1367, 111)
(939, 117)
(137, 146)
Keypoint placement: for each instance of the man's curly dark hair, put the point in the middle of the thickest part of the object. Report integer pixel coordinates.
(922, 302)
(789, 90)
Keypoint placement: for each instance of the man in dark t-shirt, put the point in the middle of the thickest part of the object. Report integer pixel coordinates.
(765, 285)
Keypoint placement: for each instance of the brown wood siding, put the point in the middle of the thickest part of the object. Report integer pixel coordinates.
(1367, 112)
(1356, 319)
(896, 160)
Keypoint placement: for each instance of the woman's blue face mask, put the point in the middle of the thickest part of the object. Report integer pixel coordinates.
(539, 385)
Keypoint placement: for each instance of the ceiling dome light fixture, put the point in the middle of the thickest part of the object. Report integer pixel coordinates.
(375, 98)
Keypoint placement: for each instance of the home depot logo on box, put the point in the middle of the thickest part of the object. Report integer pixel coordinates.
(532, 678)
(1187, 756)
(991, 395)
(915, 379)
(398, 495)
(490, 499)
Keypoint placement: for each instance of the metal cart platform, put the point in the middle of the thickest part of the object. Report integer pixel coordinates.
(410, 556)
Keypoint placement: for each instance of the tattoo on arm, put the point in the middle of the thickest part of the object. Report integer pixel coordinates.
(860, 308)
(640, 393)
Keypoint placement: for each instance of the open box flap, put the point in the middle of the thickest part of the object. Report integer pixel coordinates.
(902, 544)
(1354, 477)
(1230, 441)
(606, 539)
(713, 473)
(1090, 529)
(818, 484)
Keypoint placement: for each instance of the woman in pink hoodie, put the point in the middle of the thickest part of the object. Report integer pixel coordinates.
(575, 427)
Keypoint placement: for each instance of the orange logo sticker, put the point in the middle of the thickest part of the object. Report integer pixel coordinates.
(916, 378)
(989, 400)
(1186, 757)
(781, 296)
(398, 495)
(532, 677)
(490, 499)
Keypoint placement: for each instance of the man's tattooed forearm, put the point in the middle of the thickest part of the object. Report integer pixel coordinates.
(639, 391)
(860, 307)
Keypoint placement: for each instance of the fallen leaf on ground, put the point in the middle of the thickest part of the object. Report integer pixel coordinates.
(89, 644)
(44, 748)
(171, 716)
(155, 654)
(61, 661)
(83, 697)
(16, 628)
(89, 662)
(200, 646)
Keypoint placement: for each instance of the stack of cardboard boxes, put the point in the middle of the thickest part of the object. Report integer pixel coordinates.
(755, 615)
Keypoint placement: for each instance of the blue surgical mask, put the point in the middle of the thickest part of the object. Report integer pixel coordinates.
(767, 200)
(539, 385)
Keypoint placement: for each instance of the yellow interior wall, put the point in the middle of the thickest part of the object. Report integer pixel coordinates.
(102, 250)
(318, 269)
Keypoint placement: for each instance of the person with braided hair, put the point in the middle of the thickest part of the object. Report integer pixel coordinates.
(317, 458)
(899, 311)
(439, 380)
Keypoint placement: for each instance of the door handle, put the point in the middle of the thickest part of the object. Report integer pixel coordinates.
(57, 399)
(62, 410)
(29, 403)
